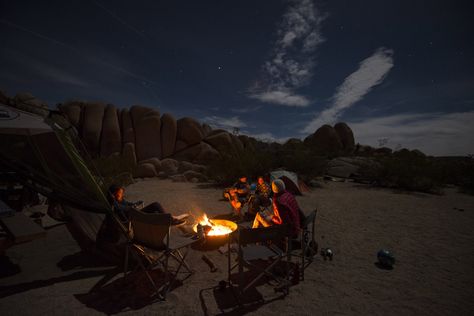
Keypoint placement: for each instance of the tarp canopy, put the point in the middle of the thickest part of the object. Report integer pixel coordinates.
(43, 153)
(290, 179)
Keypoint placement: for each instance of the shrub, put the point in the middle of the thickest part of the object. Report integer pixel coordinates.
(256, 162)
(113, 170)
(406, 171)
(250, 163)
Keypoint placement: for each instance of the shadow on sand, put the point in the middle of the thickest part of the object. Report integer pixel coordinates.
(133, 292)
(230, 301)
(23, 287)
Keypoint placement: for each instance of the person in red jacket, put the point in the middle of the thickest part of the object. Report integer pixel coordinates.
(285, 210)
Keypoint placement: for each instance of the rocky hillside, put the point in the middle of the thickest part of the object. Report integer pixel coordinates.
(153, 142)
(146, 138)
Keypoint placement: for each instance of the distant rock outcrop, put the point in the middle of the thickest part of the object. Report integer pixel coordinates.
(4, 98)
(345, 136)
(73, 112)
(152, 144)
(189, 131)
(92, 126)
(27, 102)
(111, 139)
(324, 140)
(147, 127)
(169, 130)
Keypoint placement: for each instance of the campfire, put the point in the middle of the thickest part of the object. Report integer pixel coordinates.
(215, 227)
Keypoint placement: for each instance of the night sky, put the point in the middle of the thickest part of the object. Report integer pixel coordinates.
(400, 73)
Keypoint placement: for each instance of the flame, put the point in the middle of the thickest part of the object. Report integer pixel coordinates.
(216, 230)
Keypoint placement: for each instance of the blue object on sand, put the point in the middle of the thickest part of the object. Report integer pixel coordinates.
(385, 258)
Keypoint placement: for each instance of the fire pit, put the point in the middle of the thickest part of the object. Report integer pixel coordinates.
(215, 231)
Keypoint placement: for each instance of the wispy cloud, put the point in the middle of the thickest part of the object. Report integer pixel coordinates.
(292, 58)
(80, 52)
(371, 72)
(245, 109)
(42, 69)
(268, 137)
(224, 123)
(60, 76)
(439, 134)
(120, 20)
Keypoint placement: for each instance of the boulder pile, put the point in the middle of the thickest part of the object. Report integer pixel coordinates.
(153, 143)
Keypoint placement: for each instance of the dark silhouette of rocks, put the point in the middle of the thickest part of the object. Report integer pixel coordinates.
(324, 140)
(145, 170)
(169, 129)
(189, 131)
(27, 102)
(92, 126)
(345, 136)
(111, 138)
(147, 127)
(3, 97)
(128, 134)
(153, 144)
(73, 112)
(383, 151)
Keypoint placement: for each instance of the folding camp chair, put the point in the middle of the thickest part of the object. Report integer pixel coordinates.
(306, 247)
(151, 238)
(256, 244)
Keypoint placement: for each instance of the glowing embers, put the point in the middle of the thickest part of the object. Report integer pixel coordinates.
(214, 227)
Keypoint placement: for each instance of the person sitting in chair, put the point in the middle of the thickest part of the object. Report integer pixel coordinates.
(285, 210)
(262, 197)
(123, 206)
(239, 194)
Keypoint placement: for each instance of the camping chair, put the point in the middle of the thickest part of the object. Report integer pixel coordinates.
(150, 238)
(263, 243)
(306, 246)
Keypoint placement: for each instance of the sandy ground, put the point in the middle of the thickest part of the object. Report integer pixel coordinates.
(432, 238)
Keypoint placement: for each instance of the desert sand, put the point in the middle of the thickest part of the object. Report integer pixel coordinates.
(431, 236)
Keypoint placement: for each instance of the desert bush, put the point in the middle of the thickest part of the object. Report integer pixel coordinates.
(303, 162)
(249, 162)
(458, 171)
(256, 162)
(113, 170)
(406, 171)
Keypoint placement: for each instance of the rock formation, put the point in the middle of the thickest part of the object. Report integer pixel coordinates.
(345, 136)
(152, 144)
(325, 140)
(110, 139)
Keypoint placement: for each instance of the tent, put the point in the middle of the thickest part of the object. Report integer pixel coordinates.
(46, 155)
(292, 183)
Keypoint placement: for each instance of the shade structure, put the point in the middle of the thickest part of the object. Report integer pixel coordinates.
(43, 153)
(16, 122)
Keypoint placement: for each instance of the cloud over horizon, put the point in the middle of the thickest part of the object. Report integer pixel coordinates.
(371, 72)
(292, 57)
(438, 134)
(224, 123)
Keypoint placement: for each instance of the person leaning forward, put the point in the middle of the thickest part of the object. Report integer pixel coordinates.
(239, 194)
(285, 210)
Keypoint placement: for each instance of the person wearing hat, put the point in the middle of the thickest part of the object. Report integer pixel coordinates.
(285, 210)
